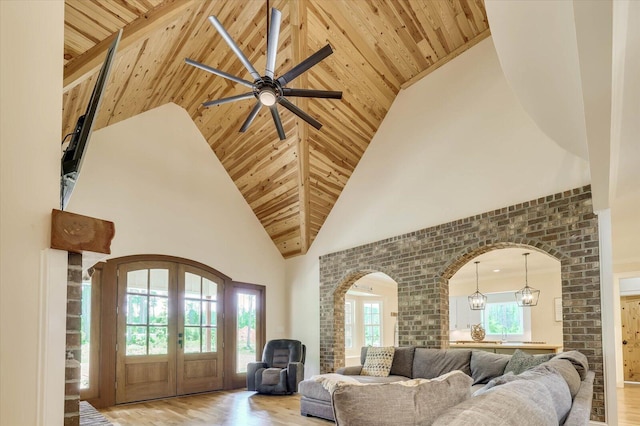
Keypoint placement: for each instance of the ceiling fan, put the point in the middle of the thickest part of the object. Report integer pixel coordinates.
(267, 89)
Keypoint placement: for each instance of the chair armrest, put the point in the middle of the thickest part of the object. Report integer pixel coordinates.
(252, 367)
(295, 374)
(353, 370)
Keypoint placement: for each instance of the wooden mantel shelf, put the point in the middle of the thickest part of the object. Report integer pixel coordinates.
(77, 233)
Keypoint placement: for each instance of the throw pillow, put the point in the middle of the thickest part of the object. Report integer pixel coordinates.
(410, 402)
(521, 361)
(378, 361)
(568, 372)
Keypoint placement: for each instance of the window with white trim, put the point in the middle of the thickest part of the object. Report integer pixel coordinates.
(349, 314)
(504, 319)
(372, 316)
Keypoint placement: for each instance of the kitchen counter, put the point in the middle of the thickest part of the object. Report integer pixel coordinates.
(507, 347)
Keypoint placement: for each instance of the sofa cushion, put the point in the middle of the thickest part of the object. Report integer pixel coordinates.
(378, 361)
(430, 363)
(410, 402)
(568, 372)
(521, 361)
(544, 374)
(522, 403)
(579, 361)
(403, 361)
(487, 365)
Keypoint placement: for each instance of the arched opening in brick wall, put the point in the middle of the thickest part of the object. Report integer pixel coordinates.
(370, 314)
(501, 274)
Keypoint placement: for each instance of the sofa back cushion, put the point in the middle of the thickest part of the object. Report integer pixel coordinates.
(568, 372)
(429, 363)
(487, 365)
(522, 403)
(411, 402)
(403, 361)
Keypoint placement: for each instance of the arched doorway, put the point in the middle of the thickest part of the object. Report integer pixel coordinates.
(370, 315)
(501, 274)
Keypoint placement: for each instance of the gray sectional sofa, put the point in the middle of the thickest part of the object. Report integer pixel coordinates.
(518, 389)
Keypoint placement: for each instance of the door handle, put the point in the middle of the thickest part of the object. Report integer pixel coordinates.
(624, 342)
(180, 340)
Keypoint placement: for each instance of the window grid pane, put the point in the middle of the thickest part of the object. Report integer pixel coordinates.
(200, 314)
(372, 321)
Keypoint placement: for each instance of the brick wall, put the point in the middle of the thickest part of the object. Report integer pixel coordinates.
(562, 225)
(74, 312)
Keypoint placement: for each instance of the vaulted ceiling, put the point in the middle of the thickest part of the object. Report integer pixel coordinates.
(380, 47)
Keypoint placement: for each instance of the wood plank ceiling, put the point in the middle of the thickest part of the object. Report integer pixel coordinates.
(380, 46)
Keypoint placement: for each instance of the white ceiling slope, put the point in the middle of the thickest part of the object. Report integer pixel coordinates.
(556, 56)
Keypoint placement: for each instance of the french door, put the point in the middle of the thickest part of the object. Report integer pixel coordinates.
(168, 337)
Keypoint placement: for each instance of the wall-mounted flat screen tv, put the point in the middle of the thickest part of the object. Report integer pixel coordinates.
(73, 155)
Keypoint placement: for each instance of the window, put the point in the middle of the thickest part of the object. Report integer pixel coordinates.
(504, 319)
(372, 323)
(146, 312)
(349, 312)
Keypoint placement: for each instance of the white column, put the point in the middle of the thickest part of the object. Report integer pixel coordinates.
(608, 313)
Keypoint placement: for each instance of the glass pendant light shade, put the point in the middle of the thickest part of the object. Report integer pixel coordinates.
(527, 296)
(477, 301)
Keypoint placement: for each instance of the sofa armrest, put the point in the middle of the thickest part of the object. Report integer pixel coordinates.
(581, 407)
(295, 374)
(252, 367)
(353, 370)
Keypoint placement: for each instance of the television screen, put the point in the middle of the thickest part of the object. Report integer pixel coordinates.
(74, 153)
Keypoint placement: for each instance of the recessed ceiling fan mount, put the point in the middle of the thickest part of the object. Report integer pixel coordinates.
(268, 90)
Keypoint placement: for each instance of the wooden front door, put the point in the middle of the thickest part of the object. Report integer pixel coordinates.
(167, 331)
(631, 337)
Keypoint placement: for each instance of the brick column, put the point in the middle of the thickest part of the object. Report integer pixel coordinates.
(74, 312)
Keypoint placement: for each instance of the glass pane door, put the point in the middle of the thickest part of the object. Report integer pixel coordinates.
(246, 343)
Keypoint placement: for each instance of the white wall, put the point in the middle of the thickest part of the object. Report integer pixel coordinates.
(461, 124)
(156, 178)
(31, 348)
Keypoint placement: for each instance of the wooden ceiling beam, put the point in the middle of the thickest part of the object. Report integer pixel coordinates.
(299, 35)
(79, 69)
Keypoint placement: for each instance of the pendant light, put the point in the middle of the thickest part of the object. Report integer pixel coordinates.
(477, 301)
(527, 296)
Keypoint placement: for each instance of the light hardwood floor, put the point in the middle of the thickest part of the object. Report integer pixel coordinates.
(244, 408)
(629, 405)
(237, 408)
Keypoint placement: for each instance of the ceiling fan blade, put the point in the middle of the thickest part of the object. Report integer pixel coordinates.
(236, 49)
(218, 72)
(229, 99)
(272, 43)
(305, 65)
(252, 115)
(277, 121)
(300, 113)
(309, 93)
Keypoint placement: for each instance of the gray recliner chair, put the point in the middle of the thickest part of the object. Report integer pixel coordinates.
(281, 369)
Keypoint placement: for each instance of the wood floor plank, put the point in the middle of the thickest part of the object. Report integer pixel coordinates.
(237, 407)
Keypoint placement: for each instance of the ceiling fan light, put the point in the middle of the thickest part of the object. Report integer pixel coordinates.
(267, 97)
